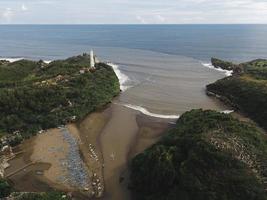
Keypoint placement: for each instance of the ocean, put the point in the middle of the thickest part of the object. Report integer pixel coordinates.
(163, 69)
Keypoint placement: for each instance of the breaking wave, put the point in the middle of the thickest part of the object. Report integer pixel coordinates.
(21, 58)
(12, 59)
(122, 77)
(210, 66)
(47, 61)
(227, 111)
(146, 112)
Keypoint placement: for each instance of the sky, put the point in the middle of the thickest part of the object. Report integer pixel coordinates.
(133, 11)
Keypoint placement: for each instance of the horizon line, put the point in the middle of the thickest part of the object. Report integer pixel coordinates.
(136, 24)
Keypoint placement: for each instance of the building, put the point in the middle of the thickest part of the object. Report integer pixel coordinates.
(92, 60)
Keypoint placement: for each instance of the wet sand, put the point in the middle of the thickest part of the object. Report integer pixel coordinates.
(116, 141)
(42, 166)
(127, 133)
(51, 148)
(88, 132)
(151, 129)
(115, 135)
(31, 178)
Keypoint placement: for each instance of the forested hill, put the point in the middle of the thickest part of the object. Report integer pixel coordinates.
(207, 156)
(246, 90)
(36, 95)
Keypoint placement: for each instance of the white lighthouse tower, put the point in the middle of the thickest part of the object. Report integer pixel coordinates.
(92, 60)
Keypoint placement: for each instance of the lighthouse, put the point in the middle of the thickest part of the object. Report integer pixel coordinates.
(92, 60)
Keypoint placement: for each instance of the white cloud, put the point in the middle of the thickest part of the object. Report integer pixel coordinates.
(140, 19)
(7, 15)
(24, 7)
(160, 18)
(151, 18)
(137, 11)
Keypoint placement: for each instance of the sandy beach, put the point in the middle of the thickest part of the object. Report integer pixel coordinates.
(32, 177)
(106, 140)
(42, 161)
(51, 148)
(116, 141)
(116, 134)
(127, 133)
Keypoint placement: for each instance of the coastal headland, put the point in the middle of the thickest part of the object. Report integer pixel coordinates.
(89, 154)
(106, 142)
(84, 140)
(209, 154)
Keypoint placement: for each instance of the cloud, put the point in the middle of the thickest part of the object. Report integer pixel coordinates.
(150, 19)
(24, 7)
(160, 19)
(137, 11)
(140, 19)
(7, 15)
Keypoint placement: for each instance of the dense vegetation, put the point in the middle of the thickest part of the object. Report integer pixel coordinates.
(35, 95)
(7, 191)
(5, 188)
(222, 64)
(207, 156)
(246, 91)
(41, 196)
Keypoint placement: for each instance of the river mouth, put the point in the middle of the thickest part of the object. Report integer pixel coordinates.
(116, 133)
(162, 84)
(156, 90)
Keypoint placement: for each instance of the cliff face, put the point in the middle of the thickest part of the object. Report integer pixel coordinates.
(35, 95)
(208, 155)
(247, 90)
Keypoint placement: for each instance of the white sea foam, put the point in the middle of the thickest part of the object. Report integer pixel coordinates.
(12, 59)
(47, 61)
(122, 77)
(226, 72)
(20, 58)
(227, 111)
(146, 112)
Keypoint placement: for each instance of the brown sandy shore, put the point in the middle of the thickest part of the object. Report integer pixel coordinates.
(107, 140)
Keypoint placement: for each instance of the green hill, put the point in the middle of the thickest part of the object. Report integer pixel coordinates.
(36, 95)
(246, 91)
(207, 156)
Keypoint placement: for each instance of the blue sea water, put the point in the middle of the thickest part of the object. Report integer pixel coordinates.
(163, 64)
(234, 42)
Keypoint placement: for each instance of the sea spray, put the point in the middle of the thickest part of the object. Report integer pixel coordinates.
(122, 77)
(210, 66)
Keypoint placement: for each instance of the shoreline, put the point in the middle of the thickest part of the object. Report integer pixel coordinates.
(107, 140)
(49, 151)
(121, 137)
(235, 112)
(210, 66)
(101, 130)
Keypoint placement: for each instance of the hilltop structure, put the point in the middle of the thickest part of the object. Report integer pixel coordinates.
(92, 60)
